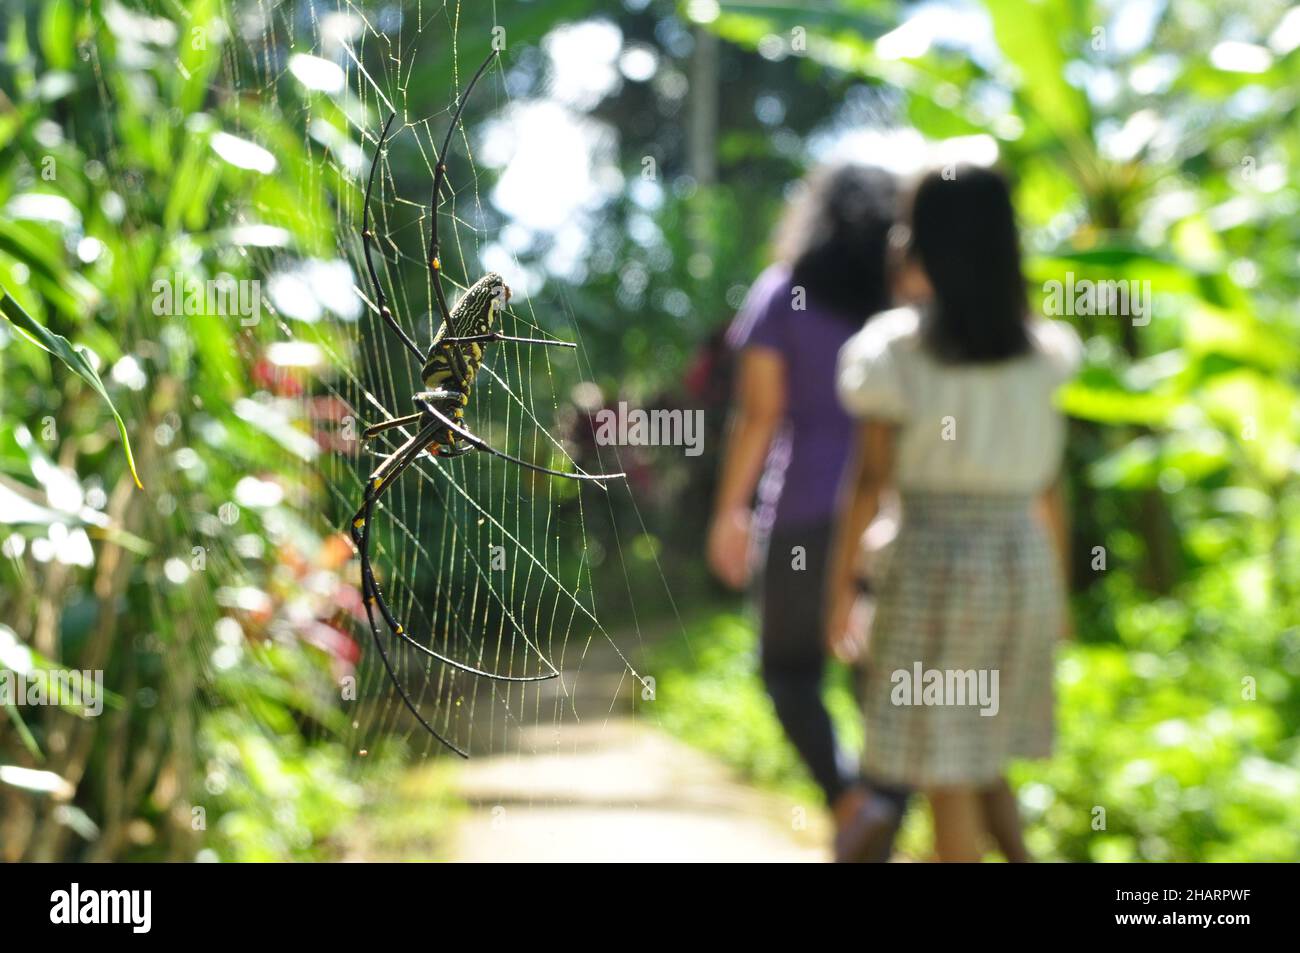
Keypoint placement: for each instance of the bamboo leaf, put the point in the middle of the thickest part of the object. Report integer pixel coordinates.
(24, 733)
(66, 352)
(38, 782)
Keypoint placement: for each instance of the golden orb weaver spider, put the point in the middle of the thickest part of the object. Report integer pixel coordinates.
(448, 369)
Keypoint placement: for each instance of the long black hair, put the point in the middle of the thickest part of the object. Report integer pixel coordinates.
(962, 232)
(834, 238)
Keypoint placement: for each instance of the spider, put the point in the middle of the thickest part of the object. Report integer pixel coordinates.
(448, 369)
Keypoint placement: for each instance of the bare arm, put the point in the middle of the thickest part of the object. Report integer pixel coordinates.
(871, 469)
(1053, 512)
(1052, 507)
(760, 404)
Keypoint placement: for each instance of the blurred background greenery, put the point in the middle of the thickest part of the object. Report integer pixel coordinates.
(627, 164)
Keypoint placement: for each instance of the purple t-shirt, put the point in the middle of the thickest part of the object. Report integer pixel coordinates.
(802, 475)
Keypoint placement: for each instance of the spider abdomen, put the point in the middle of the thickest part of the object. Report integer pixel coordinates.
(452, 367)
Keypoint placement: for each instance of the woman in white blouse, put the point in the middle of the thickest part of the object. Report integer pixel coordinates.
(956, 402)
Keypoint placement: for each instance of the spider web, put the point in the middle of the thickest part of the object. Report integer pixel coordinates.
(480, 559)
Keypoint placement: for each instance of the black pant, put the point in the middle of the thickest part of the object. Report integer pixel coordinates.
(792, 652)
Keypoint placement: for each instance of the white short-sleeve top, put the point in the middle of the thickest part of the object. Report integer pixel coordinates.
(962, 428)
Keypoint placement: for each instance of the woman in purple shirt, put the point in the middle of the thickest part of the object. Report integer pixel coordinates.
(786, 450)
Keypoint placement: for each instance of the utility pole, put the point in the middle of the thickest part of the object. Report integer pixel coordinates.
(704, 108)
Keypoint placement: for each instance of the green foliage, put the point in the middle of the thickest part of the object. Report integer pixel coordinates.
(75, 360)
(189, 602)
(1183, 732)
(708, 691)
(131, 154)
(273, 797)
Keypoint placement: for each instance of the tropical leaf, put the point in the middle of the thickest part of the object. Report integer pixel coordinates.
(66, 352)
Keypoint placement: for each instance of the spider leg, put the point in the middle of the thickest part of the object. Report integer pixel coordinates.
(457, 451)
(381, 301)
(392, 468)
(471, 438)
(369, 593)
(498, 336)
(375, 429)
(384, 476)
(439, 177)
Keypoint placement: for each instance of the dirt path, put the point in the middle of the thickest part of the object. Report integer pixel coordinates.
(605, 784)
(623, 791)
(602, 784)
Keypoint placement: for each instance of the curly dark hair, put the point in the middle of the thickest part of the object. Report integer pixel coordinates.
(834, 236)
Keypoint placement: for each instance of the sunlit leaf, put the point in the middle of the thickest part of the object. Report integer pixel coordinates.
(64, 350)
(38, 782)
